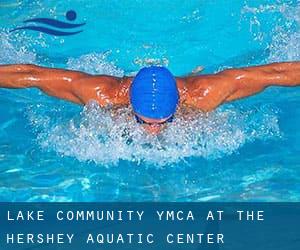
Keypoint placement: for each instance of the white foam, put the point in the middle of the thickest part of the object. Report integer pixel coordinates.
(95, 63)
(12, 51)
(106, 136)
(285, 44)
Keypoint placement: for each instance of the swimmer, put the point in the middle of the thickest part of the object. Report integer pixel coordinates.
(154, 93)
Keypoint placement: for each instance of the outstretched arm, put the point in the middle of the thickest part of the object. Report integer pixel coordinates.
(70, 85)
(209, 91)
(252, 80)
(54, 82)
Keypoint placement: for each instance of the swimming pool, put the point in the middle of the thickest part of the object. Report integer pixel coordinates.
(248, 150)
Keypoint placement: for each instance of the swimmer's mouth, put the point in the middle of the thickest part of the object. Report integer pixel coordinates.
(141, 121)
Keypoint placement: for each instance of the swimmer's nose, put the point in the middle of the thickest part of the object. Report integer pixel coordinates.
(153, 129)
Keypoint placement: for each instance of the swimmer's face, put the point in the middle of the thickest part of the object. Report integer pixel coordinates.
(153, 126)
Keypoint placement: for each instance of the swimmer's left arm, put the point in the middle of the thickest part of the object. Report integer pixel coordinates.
(207, 92)
(252, 80)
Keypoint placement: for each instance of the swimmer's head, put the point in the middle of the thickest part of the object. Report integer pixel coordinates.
(154, 95)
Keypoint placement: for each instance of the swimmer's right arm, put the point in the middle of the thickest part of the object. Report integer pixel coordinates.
(74, 86)
(54, 82)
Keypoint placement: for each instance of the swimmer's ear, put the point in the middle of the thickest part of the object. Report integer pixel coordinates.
(196, 71)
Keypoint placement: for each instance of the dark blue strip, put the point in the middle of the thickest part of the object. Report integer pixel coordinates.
(48, 31)
(257, 226)
(54, 23)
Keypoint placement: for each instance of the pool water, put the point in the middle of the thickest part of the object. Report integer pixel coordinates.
(248, 150)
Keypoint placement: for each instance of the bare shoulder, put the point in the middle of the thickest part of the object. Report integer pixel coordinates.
(102, 88)
(206, 92)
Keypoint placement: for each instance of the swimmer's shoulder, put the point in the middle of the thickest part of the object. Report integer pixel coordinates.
(104, 89)
(205, 92)
(190, 86)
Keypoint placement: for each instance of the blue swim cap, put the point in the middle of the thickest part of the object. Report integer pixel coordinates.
(154, 93)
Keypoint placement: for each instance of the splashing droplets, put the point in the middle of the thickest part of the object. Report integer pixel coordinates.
(106, 136)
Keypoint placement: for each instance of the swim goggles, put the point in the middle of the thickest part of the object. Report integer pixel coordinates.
(141, 121)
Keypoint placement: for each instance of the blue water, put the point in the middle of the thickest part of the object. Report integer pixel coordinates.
(248, 150)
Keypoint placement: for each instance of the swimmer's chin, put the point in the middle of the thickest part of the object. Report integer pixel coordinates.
(153, 129)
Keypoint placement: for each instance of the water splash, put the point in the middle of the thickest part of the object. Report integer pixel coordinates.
(195, 16)
(12, 51)
(95, 63)
(143, 62)
(106, 136)
(264, 8)
(285, 45)
(285, 35)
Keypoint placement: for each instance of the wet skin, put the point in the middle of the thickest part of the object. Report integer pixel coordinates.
(203, 92)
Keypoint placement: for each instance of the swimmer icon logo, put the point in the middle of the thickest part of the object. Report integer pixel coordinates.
(57, 28)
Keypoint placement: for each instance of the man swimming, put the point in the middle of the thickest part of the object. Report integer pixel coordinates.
(153, 93)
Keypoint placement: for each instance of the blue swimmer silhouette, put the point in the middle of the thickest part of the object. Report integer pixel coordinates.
(70, 16)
